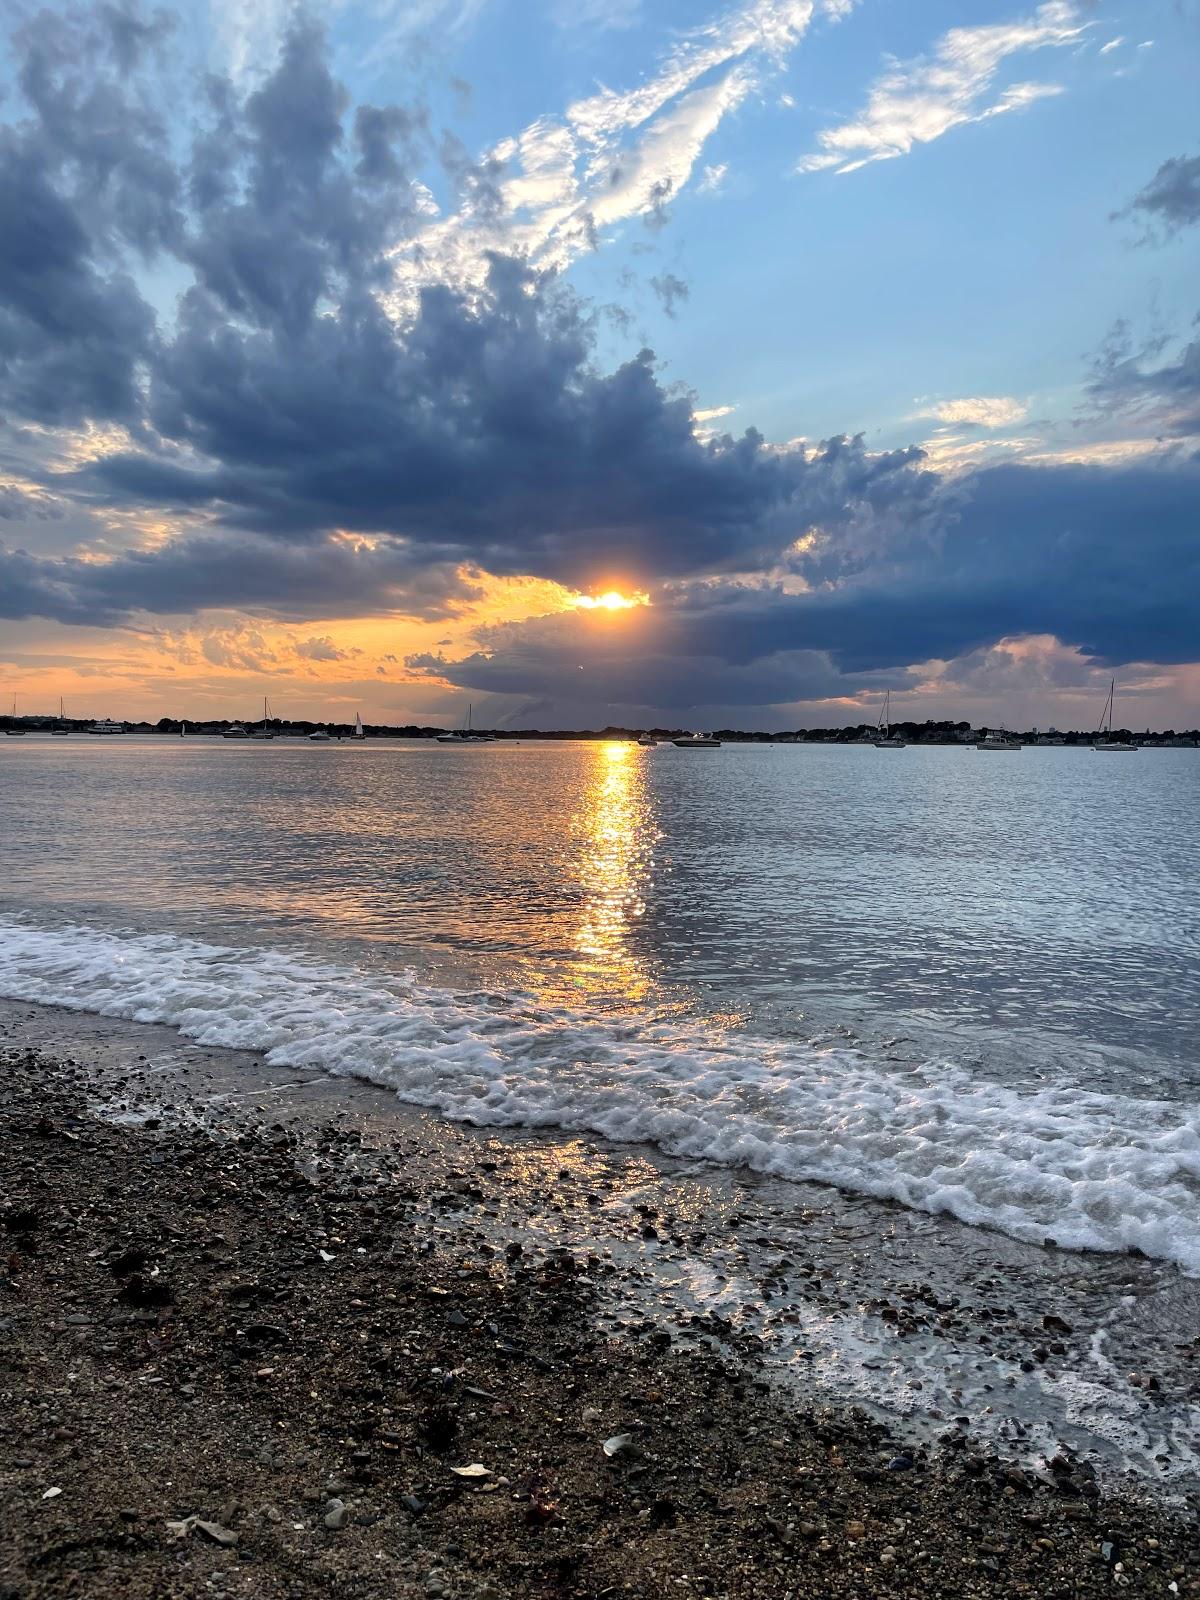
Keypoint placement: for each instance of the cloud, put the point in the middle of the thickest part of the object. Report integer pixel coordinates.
(1034, 551)
(571, 15)
(670, 290)
(1171, 198)
(917, 101)
(323, 649)
(324, 578)
(982, 411)
(483, 433)
(1132, 382)
(1113, 44)
(304, 453)
(712, 178)
(247, 32)
(284, 447)
(240, 648)
(554, 188)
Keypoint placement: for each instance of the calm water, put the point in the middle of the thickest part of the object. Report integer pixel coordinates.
(966, 981)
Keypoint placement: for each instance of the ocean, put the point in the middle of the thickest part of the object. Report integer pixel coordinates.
(932, 979)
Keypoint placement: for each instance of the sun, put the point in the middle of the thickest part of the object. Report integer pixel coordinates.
(610, 600)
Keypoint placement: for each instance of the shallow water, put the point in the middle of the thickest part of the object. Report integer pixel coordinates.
(969, 985)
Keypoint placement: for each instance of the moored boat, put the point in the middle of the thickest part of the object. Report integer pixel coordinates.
(1103, 743)
(263, 732)
(998, 739)
(884, 738)
(467, 734)
(697, 741)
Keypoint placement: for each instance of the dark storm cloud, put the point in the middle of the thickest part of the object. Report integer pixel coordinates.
(288, 582)
(487, 435)
(285, 402)
(1172, 197)
(71, 336)
(1106, 560)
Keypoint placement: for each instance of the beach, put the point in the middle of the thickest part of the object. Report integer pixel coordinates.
(261, 1339)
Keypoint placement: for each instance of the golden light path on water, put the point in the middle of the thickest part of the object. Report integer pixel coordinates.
(617, 829)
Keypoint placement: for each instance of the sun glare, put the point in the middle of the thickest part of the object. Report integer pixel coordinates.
(611, 600)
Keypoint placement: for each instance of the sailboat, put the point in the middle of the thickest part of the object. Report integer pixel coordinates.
(14, 732)
(1103, 742)
(359, 730)
(466, 734)
(62, 730)
(263, 731)
(885, 739)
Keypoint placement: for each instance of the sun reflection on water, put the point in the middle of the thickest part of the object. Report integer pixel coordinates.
(617, 828)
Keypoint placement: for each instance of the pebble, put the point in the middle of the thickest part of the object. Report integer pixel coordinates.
(335, 1514)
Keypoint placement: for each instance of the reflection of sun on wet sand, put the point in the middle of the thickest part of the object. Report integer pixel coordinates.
(617, 824)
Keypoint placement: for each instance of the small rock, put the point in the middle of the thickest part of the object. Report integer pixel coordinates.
(335, 1514)
(216, 1532)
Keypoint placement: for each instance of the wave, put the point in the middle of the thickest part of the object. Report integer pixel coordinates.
(1087, 1171)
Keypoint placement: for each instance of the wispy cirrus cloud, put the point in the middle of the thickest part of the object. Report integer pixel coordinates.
(917, 101)
(548, 193)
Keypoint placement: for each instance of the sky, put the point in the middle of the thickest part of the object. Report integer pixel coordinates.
(351, 352)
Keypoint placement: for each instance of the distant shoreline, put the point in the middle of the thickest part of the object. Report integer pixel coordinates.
(958, 734)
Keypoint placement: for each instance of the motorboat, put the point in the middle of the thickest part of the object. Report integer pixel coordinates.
(697, 741)
(884, 738)
(648, 739)
(1104, 744)
(235, 732)
(998, 739)
(105, 727)
(319, 736)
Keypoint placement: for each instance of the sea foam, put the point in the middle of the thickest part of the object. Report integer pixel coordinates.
(1089, 1171)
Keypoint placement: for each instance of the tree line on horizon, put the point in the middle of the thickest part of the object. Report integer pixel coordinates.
(928, 732)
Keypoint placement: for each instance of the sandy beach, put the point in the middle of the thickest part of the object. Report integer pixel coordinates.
(279, 1348)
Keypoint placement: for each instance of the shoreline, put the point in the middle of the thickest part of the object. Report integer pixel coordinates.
(179, 1347)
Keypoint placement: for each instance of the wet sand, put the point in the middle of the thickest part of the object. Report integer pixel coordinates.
(250, 1325)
